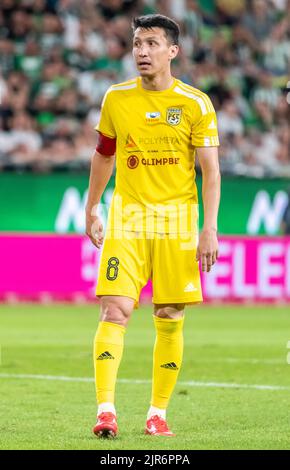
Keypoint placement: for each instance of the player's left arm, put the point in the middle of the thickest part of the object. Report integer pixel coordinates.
(207, 250)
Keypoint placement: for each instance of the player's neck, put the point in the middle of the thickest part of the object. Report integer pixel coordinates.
(157, 83)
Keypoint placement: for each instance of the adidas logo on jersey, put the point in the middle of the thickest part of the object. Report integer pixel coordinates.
(190, 288)
(170, 365)
(212, 125)
(105, 355)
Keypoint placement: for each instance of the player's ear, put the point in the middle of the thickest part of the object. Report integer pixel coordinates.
(173, 51)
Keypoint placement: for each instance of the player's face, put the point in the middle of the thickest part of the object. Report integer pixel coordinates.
(152, 51)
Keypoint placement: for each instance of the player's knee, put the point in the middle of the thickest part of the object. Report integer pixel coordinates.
(114, 313)
(173, 311)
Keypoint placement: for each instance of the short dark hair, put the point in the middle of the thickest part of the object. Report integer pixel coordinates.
(170, 27)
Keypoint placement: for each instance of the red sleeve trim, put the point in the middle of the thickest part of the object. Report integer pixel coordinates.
(106, 145)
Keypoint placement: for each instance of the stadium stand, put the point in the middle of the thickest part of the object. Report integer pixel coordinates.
(58, 57)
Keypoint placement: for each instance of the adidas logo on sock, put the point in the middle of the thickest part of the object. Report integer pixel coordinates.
(170, 365)
(105, 355)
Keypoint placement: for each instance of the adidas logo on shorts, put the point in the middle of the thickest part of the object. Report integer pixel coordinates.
(105, 355)
(190, 287)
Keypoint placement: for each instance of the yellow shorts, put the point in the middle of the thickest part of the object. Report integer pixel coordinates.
(169, 260)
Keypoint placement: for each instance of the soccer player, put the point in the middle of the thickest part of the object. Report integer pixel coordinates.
(154, 124)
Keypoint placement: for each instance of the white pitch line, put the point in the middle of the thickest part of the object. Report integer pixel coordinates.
(47, 377)
(232, 360)
(190, 383)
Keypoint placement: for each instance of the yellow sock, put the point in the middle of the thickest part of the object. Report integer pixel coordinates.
(108, 350)
(167, 359)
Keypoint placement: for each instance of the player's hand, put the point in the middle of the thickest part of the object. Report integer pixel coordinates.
(207, 250)
(94, 227)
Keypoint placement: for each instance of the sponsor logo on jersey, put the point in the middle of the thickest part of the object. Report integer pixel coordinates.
(173, 116)
(165, 140)
(160, 161)
(152, 117)
(130, 143)
(133, 162)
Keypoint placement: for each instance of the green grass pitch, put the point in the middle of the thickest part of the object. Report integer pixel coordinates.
(229, 350)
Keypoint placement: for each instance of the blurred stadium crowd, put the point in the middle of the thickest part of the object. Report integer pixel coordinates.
(58, 57)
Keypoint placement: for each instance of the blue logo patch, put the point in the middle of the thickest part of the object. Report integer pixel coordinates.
(153, 115)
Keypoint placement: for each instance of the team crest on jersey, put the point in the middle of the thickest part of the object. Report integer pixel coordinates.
(173, 116)
(132, 162)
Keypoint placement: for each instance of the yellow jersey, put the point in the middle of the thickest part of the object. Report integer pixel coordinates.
(156, 134)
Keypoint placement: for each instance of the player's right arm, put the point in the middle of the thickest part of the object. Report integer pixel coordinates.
(102, 166)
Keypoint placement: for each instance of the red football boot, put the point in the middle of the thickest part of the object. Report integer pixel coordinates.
(106, 425)
(156, 426)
